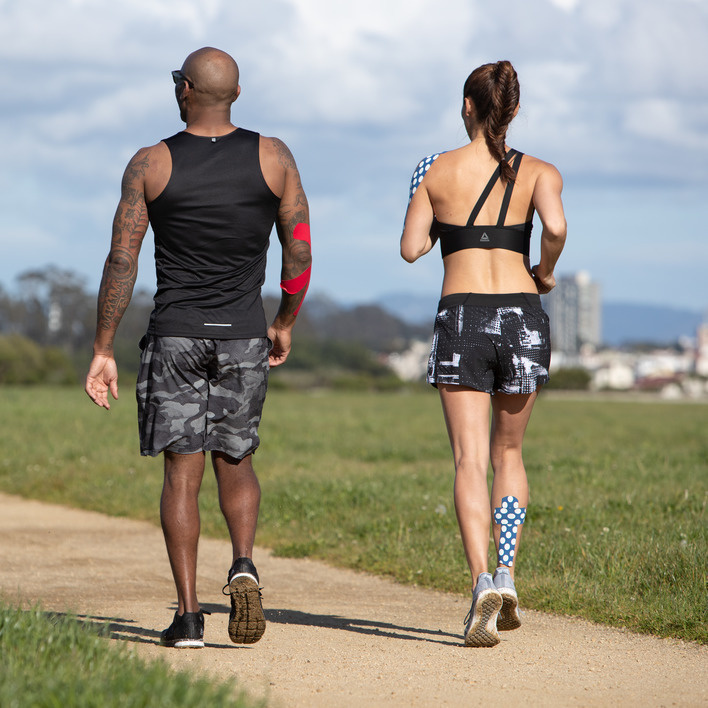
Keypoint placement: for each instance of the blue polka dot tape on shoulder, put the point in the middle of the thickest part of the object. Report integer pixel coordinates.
(420, 172)
(509, 516)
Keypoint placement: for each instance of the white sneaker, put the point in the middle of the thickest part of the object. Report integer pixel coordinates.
(481, 620)
(509, 615)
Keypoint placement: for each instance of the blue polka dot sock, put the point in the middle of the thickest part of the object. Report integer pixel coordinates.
(509, 516)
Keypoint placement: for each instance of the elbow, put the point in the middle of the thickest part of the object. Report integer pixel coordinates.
(301, 259)
(409, 253)
(556, 230)
(121, 264)
(408, 256)
(305, 260)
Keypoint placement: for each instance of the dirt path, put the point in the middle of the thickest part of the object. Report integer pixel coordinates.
(334, 637)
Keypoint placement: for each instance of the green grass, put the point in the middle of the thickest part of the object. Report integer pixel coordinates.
(616, 528)
(51, 660)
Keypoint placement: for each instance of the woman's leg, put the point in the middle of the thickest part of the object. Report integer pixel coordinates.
(510, 416)
(467, 418)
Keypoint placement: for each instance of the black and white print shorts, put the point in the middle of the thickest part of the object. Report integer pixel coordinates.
(491, 343)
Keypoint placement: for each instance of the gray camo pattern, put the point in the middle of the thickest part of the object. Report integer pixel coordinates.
(201, 394)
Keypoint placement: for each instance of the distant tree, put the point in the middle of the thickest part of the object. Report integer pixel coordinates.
(56, 307)
(11, 313)
(372, 326)
(23, 361)
(335, 354)
(53, 309)
(570, 379)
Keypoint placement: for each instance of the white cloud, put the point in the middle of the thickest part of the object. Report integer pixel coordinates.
(397, 66)
(105, 112)
(565, 5)
(371, 65)
(612, 91)
(603, 15)
(668, 121)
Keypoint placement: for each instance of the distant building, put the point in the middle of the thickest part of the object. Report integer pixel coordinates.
(702, 349)
(575, 309)
(412, 364)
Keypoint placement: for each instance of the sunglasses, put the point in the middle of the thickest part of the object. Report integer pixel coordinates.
(178, 77)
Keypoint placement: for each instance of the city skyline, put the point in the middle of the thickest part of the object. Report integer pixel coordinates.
(574, 308)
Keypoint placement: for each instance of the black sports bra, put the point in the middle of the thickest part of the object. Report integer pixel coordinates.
(516, 237)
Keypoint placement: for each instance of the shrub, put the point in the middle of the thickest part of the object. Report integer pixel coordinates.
(22, 361)
(570, 379)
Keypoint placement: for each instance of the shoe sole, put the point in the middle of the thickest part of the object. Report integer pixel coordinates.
(247, 621)
(482, 629)
(509, 614)
(189, 644)
(183, 644)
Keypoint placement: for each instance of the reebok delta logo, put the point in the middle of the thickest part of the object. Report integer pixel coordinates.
(484, 238)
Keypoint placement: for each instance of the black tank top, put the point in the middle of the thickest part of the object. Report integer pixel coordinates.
(212, 226)
(516, 237)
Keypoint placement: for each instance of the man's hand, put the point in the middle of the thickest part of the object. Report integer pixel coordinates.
(102, 377)
(282, 339)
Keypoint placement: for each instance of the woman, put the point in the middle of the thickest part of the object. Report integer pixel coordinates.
(491, 341)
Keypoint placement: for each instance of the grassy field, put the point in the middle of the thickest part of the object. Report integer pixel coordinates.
(51, 660)
(616, 529)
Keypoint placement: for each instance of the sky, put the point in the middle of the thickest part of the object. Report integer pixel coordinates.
(613, 92)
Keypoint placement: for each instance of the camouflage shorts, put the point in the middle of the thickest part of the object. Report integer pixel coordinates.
(201, 394)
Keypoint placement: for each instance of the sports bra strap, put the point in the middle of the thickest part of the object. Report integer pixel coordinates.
(510, 185)
(490, 185)
(483, 197)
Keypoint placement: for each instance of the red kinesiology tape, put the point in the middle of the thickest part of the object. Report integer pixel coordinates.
(302, 233)
(294, 285)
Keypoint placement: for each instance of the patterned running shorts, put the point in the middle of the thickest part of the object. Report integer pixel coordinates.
(491, 343)
(201, 394)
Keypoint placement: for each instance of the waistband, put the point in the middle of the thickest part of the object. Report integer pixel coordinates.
(490, 300)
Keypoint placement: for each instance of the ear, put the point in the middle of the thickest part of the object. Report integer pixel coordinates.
(467, 107)
(516, 110)
(179, 91)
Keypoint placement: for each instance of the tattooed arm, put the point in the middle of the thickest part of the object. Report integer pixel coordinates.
(120, 270)
(293, 228)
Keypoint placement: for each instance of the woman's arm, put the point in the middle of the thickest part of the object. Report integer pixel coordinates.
(549, 206)
(416, 240)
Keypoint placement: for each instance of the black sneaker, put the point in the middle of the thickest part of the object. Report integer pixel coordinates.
(246, 621)
(185, 632)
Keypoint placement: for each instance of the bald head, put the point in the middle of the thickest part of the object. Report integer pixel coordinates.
(215, 76)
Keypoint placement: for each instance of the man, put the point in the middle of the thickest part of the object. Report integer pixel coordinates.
(212, 194)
